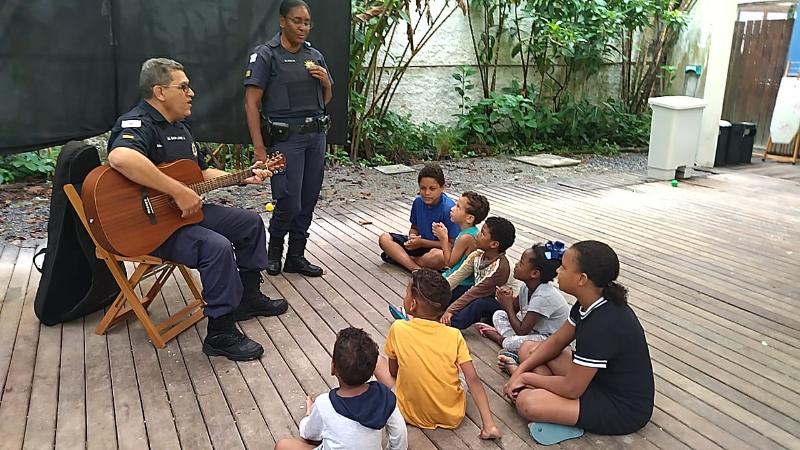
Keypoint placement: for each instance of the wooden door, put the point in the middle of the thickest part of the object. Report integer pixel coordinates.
(758, 61)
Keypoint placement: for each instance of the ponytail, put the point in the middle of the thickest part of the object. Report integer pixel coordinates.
(616, 293)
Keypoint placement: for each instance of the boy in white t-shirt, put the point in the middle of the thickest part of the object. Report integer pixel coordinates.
(353, 415)
(539, 310)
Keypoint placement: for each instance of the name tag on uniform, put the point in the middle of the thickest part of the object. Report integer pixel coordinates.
(176, 138)
(131, 124)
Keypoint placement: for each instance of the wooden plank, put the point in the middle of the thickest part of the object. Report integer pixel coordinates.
(71, 406)
(7, 260)
(100, 426)
(14, 399)
(186, 411)
(217, 415)
(12, 311)
(41, 425)
(158, 419)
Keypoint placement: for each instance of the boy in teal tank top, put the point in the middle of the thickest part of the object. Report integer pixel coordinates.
(470, 210)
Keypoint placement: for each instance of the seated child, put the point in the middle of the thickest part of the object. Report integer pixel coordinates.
(412, 251)
(491, 269)
(354, 414)
(606, 385)
(424, 358)
(539, 310)
(470, 210)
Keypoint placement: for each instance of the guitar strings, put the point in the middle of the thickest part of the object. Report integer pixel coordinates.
(161, 200)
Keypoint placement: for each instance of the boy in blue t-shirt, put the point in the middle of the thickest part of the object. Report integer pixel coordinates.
(412, 251)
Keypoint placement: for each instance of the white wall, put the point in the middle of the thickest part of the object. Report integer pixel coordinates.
(427, 89)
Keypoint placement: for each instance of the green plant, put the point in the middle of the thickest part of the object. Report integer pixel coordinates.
(338, 156)
(38, 164)
(398, 138)
(463, 84)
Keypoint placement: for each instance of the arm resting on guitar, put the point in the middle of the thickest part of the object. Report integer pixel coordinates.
(137, 168)
(252, 99)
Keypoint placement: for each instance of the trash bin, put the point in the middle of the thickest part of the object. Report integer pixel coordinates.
(740, 147)
(723, 141)
(674, 136)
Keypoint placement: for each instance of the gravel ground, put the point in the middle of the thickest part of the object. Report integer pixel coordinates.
(24, 207)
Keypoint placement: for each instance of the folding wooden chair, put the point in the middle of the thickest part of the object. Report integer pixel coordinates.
(128, 303)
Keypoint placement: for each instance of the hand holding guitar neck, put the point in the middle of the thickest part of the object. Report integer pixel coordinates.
(260, 173)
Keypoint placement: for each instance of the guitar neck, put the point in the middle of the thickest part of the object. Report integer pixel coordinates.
(221, 182)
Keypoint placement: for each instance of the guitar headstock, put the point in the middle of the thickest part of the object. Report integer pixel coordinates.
(275, 163)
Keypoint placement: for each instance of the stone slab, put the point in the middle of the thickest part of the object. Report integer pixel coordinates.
(394, 169)
(547, 160)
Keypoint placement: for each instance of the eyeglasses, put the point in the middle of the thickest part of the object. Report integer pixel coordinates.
(298, 21)
(186, 88)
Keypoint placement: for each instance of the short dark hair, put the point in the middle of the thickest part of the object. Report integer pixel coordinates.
(601, 264)
(432, 286)
(431, 171)
(547, 267)
(355, 355)
(155, 72)
(502, 231)
(288, 5)
(478, 206)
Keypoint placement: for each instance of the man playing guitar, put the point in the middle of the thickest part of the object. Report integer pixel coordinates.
(228, 247)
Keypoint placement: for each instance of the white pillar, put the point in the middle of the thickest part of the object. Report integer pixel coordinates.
(719, 55)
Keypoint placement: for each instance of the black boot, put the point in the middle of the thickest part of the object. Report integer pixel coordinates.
(274, 254)
(224, 339)
(254, 302)
(296, 261)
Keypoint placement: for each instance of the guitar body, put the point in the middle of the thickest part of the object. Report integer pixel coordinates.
(129, 219)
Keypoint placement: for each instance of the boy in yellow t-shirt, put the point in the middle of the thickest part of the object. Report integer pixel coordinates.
(424, 359)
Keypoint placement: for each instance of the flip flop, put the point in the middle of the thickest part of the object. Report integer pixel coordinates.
(552, 433)
(483, 328)
(511, 355)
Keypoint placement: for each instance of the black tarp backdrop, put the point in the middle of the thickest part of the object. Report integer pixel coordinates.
(69, 69)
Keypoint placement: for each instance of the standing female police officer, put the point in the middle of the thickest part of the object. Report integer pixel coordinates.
(288, 82)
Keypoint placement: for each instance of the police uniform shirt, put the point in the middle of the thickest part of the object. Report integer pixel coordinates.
(610, 338)
(289, 89)
(145, 130)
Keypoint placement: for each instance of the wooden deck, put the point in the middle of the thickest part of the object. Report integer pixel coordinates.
(712, 267)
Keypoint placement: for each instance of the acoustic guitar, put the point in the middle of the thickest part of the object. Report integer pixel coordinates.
(131, 220)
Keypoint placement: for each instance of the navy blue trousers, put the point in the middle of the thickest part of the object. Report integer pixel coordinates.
(226, 241)
(476, 311)
(296, 190)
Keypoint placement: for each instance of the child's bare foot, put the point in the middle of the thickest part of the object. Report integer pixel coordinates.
(490, 432)
(490, 333)
(507, 364)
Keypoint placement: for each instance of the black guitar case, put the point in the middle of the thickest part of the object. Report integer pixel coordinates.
(74, 282)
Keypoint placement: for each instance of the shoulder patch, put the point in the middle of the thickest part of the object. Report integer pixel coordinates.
(247, 73)
(132, 123)
(253, 57)
(128, 136)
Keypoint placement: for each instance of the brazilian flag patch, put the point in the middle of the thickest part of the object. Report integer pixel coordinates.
(128, 136)
(247, 73)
